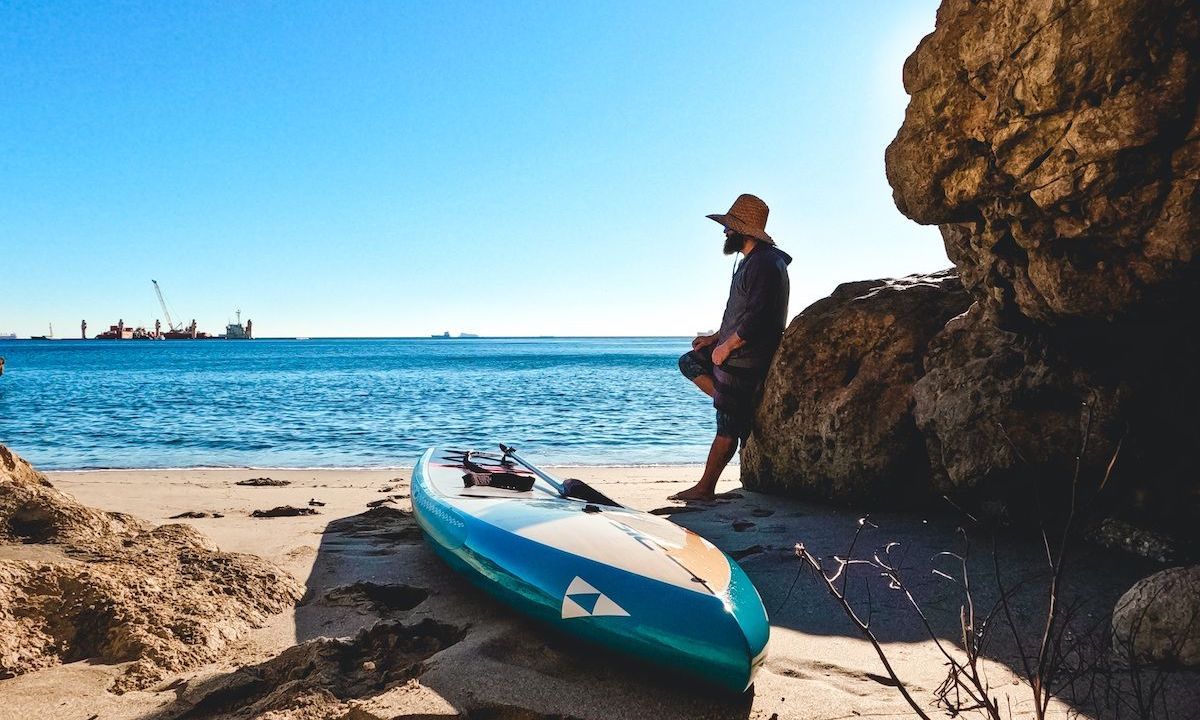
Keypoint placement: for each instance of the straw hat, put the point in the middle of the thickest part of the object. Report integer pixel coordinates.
(748, 216)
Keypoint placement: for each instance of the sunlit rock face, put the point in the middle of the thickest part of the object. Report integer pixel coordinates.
(1057, 144)
(835, 421)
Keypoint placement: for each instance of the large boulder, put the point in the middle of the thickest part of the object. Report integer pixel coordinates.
(1057, 144)
(77, 583)
(1158, 619)
(835, 420)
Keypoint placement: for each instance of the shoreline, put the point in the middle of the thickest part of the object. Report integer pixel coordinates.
(358, 468)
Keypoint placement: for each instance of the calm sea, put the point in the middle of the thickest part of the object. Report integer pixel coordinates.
(348, 402)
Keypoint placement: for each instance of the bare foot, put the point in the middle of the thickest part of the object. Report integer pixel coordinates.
(695, 494)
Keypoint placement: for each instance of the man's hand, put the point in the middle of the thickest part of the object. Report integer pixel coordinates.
(703, 341)
(722, 352)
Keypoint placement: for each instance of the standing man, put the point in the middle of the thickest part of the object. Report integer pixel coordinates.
(730, 365)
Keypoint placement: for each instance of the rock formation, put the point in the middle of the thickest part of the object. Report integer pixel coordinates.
(78, 583)
(838, 399)
(1057, 144)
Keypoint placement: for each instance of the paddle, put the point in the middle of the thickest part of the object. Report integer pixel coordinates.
(571, 488)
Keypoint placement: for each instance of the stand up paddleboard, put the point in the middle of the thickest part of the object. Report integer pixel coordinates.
(563, 553)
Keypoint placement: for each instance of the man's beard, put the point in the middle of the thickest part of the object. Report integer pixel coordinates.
(734, 243)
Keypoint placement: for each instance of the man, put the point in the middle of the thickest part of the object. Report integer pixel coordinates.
(730, 365)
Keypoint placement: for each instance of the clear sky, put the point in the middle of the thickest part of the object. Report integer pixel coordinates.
(403, 168)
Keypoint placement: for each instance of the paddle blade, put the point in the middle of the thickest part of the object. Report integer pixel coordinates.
(580, 490)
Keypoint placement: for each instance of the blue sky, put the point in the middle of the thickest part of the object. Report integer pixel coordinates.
(400, 168)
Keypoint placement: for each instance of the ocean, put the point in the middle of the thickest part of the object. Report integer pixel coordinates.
(348, 403)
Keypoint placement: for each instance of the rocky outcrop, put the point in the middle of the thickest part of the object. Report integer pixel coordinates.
(77, 583)
(1057, 144)
(836, 420)
(1158, 619)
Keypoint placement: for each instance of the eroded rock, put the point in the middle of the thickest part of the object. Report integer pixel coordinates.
(1000, 409)
(1057, 144)
(835, 420)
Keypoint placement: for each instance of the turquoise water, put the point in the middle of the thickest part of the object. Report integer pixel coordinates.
(348, 402)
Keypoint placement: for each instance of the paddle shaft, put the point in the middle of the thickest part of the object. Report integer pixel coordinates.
(558, 487)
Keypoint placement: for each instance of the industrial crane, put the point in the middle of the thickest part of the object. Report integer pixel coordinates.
(163, 303)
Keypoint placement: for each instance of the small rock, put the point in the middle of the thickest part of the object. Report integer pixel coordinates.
(742, 525)
(1158, 619)
(368, 666)
(1120, 535)
(189, 514)
(316, 503)
(377, 503)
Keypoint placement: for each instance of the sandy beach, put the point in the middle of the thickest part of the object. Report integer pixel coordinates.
(361, 565)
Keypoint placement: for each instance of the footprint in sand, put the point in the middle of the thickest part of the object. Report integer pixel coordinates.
(390, 597)
(745, 552)
(676, 510)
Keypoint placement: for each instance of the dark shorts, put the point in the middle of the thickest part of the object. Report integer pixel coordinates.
(730, 423)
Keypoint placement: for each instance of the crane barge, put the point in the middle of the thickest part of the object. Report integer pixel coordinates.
(174, 330)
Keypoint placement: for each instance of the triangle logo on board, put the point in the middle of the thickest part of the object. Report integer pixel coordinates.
(583, 600)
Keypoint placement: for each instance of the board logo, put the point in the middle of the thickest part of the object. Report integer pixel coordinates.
(583, 600)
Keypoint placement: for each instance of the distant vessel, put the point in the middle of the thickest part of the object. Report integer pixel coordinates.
(121, 331)
(235, 331)
(175, 331)
(447, 336)
(467, 335)
(8, 336)
(443, 336)
(44, 337)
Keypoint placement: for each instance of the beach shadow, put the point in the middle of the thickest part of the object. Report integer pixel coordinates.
(387, 629)
(762, 531)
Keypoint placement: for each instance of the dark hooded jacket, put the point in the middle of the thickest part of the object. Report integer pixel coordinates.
(757, 312)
